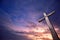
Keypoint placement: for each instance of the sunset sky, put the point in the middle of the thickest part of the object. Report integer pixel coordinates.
(19, 19)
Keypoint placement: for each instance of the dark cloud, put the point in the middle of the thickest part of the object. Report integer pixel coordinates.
(31, 24)
(8, 35)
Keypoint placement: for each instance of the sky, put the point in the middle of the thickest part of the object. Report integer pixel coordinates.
(19, 19)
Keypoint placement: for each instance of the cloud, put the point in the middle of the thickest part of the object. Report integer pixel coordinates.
(21, 17)
(30, 29)
(42, 32)
(8, 35)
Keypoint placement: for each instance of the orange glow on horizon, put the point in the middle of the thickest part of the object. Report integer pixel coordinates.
(40, 32)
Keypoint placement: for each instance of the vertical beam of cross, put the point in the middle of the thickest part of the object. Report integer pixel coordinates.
(51, 28)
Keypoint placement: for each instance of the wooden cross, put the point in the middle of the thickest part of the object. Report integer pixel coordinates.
(51, 28)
